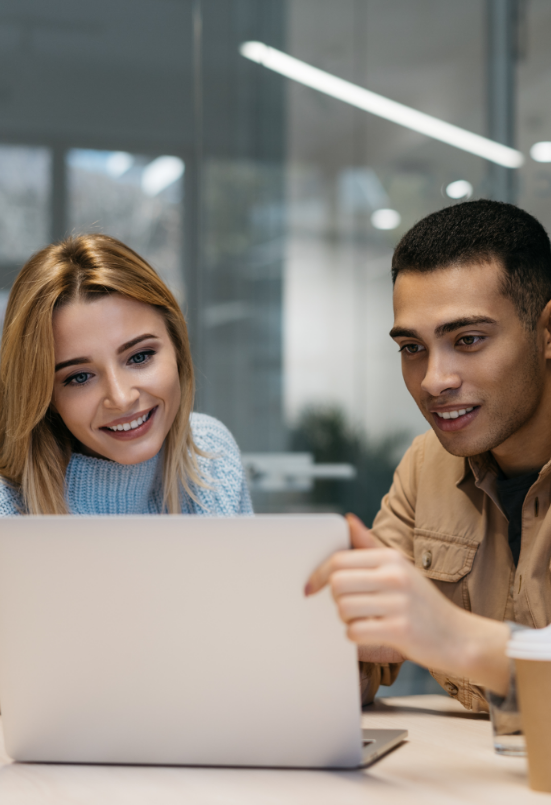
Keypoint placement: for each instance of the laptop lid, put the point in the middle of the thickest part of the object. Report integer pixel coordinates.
(174, 640)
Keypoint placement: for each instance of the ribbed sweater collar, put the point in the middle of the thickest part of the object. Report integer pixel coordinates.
(98, 486)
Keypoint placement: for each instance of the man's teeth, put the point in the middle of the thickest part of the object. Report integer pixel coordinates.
(454, 414)
(134, 424)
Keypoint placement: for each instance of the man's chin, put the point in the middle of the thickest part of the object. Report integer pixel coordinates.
(460, 446)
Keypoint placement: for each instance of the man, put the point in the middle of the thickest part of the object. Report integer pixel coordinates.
(469, 505)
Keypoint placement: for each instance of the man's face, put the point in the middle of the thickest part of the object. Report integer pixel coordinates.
(477, 375)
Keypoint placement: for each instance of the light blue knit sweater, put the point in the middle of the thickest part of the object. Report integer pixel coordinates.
(98, 486)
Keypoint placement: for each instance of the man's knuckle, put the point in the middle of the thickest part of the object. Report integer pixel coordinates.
(337, 563)
(344, 608)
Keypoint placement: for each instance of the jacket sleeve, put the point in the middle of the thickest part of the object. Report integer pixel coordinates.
(395, 522)
(393, 526)
(372, 675)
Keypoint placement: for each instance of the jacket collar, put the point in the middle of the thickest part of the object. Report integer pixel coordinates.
(484, 464)
(483, 470)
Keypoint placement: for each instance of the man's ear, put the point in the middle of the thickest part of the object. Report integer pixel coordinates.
(545, 320)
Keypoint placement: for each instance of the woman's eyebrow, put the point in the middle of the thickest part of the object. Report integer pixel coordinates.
(123, 348)
(130, 344)
(72, 362)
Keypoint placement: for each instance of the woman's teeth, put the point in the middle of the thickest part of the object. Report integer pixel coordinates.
(134, 424)
(454, 414)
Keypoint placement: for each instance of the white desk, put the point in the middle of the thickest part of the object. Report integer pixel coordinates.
(448, 758)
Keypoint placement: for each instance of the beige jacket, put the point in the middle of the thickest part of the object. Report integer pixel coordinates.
(443, 513)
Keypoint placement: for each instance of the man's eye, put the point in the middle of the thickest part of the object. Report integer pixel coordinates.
(411, 349)
(469, 340)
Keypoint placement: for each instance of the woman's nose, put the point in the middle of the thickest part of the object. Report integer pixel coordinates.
(119, 393)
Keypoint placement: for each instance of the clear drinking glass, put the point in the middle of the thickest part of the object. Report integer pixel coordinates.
(507, 732)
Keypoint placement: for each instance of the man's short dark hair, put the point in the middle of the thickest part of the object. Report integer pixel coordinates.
(477, 232)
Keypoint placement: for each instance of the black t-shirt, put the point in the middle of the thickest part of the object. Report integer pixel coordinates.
(512, 492)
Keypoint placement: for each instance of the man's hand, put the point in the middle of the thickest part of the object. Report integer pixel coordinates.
(385, 601)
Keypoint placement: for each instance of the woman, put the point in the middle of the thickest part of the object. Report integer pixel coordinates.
(96, 394)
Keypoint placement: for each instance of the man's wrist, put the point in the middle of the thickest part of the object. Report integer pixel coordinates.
(480, 652)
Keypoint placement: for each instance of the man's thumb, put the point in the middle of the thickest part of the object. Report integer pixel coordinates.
(360, 536)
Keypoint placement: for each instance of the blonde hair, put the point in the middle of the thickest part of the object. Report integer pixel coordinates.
(35, 444)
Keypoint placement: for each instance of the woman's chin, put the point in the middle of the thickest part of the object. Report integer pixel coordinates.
(123, 452)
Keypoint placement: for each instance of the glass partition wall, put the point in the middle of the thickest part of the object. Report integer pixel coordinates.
(270, 206)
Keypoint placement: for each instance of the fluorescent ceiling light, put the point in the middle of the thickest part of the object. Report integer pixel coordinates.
(459, 189)
(160, 174)
(541, 152)
(379, 105)
(386, 219)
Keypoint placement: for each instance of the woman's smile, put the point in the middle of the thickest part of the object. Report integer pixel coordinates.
(131, 427)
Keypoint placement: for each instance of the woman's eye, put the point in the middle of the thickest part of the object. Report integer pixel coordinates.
(142, 357)
(77, 380)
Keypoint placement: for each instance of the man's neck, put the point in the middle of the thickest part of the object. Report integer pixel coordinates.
(529, 449)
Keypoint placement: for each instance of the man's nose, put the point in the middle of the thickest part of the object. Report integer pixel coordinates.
(441, 376)
(119, 393)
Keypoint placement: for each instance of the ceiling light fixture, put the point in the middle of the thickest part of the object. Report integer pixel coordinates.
(386, 219)
(378, 105)
(459, 189)
(541, 152)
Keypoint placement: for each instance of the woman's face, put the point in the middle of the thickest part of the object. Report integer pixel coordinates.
(116, 384)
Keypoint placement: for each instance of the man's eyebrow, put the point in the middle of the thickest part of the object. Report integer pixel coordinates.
(443, 329)
(468, 321)
(401, 332)
(123, 348)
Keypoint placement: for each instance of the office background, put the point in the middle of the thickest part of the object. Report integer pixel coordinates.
(271, 208)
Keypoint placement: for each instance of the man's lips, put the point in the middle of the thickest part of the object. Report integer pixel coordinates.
(458, 421)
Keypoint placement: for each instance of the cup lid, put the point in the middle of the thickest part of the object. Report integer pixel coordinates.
(530, 644)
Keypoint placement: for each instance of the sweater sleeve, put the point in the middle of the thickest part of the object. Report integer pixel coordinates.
(10, 502)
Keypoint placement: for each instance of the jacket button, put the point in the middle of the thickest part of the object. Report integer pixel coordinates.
(452, 689)
(426, 559)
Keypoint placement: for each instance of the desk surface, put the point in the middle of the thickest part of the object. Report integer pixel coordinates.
(448, 758)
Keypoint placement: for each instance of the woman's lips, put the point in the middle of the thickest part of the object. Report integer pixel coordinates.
(135, 433)
(461, 422)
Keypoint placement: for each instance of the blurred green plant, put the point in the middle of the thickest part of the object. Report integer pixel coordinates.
(325, 432)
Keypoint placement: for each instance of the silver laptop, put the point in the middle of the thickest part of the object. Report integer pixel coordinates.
(177, 640)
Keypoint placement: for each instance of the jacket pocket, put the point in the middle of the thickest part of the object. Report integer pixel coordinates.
(442, 556)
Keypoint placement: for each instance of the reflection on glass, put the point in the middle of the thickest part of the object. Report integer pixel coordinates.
(134, 198)
(24, 204)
